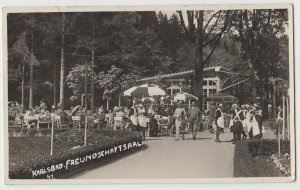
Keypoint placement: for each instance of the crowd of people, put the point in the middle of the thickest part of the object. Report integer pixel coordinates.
(245, 120)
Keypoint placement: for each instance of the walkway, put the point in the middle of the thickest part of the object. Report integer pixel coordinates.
(166, 158)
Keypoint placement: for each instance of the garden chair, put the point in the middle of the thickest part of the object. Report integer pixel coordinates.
(109, 121)
(163, 125)
(118, 123)
(59, 123)
(44, 121)
(27, 120)
(76, 121)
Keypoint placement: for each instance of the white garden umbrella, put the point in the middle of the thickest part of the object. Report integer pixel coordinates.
(145, 90)
(185, 97)
(129, 91)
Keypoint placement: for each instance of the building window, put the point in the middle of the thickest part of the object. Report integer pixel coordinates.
(212, 91)
(204, 92)
(205, 82)
(211, 83)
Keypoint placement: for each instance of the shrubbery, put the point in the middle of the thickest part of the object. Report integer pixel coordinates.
(247, 160)
(268, 147)
(97, 140)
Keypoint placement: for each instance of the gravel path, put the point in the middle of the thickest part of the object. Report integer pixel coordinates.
(166, 158)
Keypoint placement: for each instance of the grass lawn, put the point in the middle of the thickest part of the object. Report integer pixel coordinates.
(268, 169)
(25, 148)
(252, 158)
(28, 153)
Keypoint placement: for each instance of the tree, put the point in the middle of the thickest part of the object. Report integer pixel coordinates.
(115, 81)
(204, 28)
(255, 29)
(76, 77)
(21, 49)
(62, 60)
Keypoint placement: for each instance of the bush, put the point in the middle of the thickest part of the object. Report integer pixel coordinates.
(268, 147)
(97, 140)
(250, 158)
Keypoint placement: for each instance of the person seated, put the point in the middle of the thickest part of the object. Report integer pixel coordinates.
(43, 105)
(64, 118)
(153, 125)
(98, 119)
(36, 110)
(120, 113)
(44, 116)
(18, 119)
(30, 122)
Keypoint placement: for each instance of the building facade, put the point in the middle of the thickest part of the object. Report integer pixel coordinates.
(215, 79)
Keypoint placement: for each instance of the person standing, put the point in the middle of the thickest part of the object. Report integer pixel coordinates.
(142, 119)
(212, 116)
(194, 117)
(219, 121)
(179, 115)
(245, 120)
(237, 127)
(133, 117)
(279, 121)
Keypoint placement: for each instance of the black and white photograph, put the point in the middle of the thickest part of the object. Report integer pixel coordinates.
(191, 93)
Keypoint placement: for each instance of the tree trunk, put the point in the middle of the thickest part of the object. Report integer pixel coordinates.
(23, 87)
(62, 61)
(274, 99)
(31, 69)
(92, 68)
(253, 82)
(54, 85)
(199, 62)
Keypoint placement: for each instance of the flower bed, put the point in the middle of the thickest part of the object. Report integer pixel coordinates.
(29, 156)
(252, 158)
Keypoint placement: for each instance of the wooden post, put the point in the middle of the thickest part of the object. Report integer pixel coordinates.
(284, 115)
(288, 117)
(119, 100)
(85, 104)
(107, 104)
(85, 129)
(52, 134)
(279, 142)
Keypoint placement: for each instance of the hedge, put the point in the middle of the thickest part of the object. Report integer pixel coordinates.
(250, 158)
(267, 147)
(97, 141)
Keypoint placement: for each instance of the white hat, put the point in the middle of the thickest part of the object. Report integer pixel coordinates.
(221, 105)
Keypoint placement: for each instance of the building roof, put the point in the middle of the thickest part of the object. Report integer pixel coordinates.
(188, 72)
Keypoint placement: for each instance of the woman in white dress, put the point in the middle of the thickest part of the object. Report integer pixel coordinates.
(179, 115)
(219, 121)
(141, 111)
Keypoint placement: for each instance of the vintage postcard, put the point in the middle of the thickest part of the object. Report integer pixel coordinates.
(149, 94)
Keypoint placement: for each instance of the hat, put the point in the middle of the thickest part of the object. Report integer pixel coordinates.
(100, 109)
(234, 106)
(115, 108)
(220, 105)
